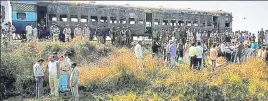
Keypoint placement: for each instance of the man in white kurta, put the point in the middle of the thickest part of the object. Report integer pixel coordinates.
(29, 32)
(139, 56)
(74, 82)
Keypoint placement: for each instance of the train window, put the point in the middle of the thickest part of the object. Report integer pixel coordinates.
(52, 17)
(181, 23)
(83, 18)
(113, 20)
(188, 23)
(195, 23)
(103, 19)
(123, 20)
(148, 24)
(203, 24)
(227, 24)
(140, 21)
(74, 18)
(21, 16)
(63, 18)
(173, 23)
(156, 22)
(165, 22)
(94, 18)
(132, 21)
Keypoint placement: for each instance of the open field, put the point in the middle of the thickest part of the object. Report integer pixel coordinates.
(112, 75)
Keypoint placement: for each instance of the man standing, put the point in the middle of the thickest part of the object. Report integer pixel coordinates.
(129, 36)
(222, 48)
(78, 31)
(199, 49)
(172, 51)
(105, 31)
(112, 35)
(213, 56)
(67, 32)
(198, 36)
(193, 53)
(86, 33)
(41, 27)
(39, 77)
(29, 32)
(74, 82)
(123, 35)
(35, 33)
(261, 36)
(99, 34)
(155, 35)
(54, 73)
(139, 56)
(239, 52)
(55, 31)
(118, 37)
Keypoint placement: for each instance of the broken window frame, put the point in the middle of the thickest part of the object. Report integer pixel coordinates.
(74, 18)
(141, 21)
(203, 24)
(228, 25)
(131, 20)
(165, 22)
(148, 24)
(195, 23)
(103, 19)
(181, 23)
(64, 16)
(156, 22)
(53, 17)
(113, 20)
(123, 21)
(173, 22)
(94, 18)
(84, 18)
(188, 23)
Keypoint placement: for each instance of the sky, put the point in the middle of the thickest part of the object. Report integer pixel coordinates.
(254, 12)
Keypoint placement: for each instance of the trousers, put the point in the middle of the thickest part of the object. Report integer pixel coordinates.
(172, 62)
(68, 38)
(54, 85)
(39, 86)
(139, 63)
(55, 37)
(75, 93)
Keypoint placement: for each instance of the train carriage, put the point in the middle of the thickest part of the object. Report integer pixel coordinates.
(22, 14)
(141, 20)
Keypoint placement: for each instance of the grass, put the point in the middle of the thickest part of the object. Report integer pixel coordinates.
(116, 77)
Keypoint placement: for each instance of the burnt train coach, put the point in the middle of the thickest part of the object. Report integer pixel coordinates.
(141, 20)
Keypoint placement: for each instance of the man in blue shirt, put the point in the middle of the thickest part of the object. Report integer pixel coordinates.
(172, 53)
(254, 45)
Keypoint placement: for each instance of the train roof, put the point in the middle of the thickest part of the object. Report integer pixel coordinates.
(140, 6)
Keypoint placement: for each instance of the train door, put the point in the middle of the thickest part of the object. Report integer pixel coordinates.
(216, 22)
(148, 27)
(42, 14)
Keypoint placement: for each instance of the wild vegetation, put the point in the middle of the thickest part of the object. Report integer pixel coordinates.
(114, 76)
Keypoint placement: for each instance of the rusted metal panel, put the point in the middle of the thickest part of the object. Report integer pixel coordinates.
(62, 9)
(52, 8)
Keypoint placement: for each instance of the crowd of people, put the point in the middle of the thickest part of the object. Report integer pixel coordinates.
(120, 36)
(62, 73)
(195, 46)
(185, 45)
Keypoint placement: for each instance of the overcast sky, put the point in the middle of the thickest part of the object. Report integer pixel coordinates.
(255, 12)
